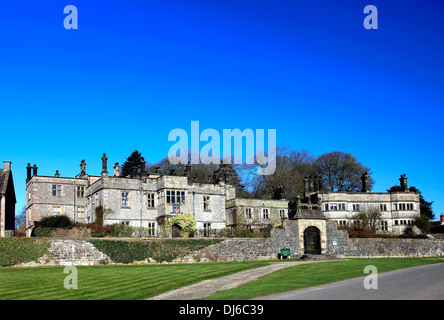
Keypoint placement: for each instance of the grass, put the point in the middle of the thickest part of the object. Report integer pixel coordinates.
(111, 282)
(315, 274)
(135, 282)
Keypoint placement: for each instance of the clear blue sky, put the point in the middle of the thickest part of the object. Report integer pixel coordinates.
(135, 70)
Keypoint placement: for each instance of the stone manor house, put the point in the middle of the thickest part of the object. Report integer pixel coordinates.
(148, 200)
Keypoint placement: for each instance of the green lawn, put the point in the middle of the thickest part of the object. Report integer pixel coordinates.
(314, 274)
(132, 282)
(115, 282)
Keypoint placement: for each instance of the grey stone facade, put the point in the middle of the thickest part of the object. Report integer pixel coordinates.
(149, 200)
(398, 209)
(144, 200)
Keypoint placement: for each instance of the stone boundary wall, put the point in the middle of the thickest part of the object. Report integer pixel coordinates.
(337, 244)
(372, 248)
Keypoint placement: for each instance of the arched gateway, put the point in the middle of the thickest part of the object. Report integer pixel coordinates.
(312, 240)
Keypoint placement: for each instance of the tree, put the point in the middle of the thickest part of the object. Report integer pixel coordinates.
(291, 168)
(134, 160)
(20, 220)
(186, 222)
(369, 218)
(200, 173)
(341, 172)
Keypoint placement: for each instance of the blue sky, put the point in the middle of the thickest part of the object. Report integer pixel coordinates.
(135, 70)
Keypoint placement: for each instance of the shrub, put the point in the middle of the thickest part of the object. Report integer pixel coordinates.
(97, 230)
(186, 222)
(122, 251)
(100, 213)
(21, 250)
(43, 232)
(55, 222)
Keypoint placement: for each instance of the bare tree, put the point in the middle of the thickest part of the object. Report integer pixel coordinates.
(341, 172)
(291, 168)
(369, 217)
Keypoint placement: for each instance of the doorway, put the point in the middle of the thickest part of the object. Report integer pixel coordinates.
(312, 240)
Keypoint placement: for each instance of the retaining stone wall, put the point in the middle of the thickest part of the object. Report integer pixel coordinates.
(67, 252)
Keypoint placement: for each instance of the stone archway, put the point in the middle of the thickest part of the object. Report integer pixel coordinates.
(312, 240)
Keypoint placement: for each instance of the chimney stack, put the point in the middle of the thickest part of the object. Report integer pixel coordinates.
(442, 218)
(104, 165)
(28, 172)
(403, 181)
(116, 170)
(82, 168)
(142, 167)
(34, 170)
(365, 184)
(7, 165)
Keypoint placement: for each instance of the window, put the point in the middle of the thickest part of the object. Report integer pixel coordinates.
(150, 200)
(395, 206)
(56, 211)
(81, 212)
(56, 190)
(282, 213)
(342, 206)
(206, 203)
(248, 213)
(403, 206)
(396, 222)
(410, 206)
(125, 199)
(80, 191)
(151, 228)
(207, 229)
(175, 196)
(383, 207)
(384, 226)
(266, 213)
(356, 207)
(326, 207)
(342, 222)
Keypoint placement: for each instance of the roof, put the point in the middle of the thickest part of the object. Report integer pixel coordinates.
(3, 181)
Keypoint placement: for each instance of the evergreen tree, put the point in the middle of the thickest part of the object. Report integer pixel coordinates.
(134, 160)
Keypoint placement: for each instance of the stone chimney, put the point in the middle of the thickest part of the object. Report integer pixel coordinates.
(82, 168)
(306, 186)
(7, 165)
(34, 170)
(403, 181)
(104, 165)
(28, 172)
(116, 169)
(365, 184)
(142, 167)
(134, 172)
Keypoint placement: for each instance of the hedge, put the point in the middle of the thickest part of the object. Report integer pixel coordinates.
(160, 250)
(21, 250)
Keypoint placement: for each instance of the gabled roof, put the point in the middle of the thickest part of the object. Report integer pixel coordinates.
(3, 181)
(6, 181)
